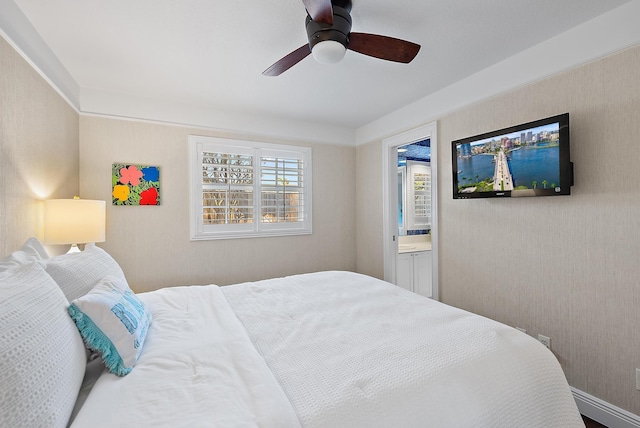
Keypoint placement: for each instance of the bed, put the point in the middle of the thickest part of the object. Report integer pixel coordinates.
(324, 349)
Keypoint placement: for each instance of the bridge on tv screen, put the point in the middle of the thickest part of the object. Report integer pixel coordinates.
(502, 178)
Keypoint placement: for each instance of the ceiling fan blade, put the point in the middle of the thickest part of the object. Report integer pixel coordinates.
(288, 61)
(383, 47)
(320, 10)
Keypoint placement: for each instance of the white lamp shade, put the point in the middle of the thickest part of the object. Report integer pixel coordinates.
(328, 52)
(74, 221)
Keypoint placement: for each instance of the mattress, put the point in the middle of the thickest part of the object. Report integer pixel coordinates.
(328, 349)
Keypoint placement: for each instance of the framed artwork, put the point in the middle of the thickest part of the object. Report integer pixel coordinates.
(135, 184)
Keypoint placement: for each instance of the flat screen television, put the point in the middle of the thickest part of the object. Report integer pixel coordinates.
(531, 159)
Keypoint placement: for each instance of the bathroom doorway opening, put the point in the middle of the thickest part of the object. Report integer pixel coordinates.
(391, 198)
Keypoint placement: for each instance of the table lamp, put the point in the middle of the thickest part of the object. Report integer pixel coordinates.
(74, 221)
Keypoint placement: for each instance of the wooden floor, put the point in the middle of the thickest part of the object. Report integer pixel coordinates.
(592, 424)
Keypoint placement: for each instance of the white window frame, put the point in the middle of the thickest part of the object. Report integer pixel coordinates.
(200, 231)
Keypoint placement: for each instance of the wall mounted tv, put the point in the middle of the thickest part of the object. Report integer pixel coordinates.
(531, 159)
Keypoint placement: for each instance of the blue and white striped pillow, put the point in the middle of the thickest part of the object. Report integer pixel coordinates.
(113, 321)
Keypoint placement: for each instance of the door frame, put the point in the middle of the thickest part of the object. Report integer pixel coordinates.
(390, 193)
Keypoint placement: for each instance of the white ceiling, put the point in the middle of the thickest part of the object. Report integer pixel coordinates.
(210, 54)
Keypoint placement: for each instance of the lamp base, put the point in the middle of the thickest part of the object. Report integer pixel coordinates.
(74, 249)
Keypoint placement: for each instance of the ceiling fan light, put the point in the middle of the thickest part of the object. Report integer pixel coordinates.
(328, 52)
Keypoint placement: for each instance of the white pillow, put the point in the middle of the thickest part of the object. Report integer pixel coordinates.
(114, 322)
(31, 251)
(78, 273)
(42, 357)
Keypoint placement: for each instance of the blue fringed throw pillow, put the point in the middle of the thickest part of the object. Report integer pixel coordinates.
(112, 321)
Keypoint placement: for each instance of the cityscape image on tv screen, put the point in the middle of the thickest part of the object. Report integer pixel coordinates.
(526, 159)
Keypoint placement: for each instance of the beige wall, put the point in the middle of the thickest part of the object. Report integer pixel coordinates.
(369, 209)
(566, 267)
(38, 149)
(152, 243)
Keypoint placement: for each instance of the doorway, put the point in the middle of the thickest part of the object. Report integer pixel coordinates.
(391, 196)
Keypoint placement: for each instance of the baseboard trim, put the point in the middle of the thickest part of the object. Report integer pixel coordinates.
(603, 412)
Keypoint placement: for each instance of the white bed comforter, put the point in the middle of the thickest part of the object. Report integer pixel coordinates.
(198, 368)
(328, 350)
(353, 351)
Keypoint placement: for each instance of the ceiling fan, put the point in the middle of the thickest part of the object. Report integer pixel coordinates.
(328, 25)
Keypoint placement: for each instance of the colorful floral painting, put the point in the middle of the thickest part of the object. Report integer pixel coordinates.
(135, 184)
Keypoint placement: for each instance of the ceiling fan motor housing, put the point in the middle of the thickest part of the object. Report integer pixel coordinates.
(319, 32)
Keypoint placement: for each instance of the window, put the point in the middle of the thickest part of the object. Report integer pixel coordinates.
(248, 189)
(419, 196)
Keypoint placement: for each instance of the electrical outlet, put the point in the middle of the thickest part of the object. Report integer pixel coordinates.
(521, 329)
(546, 341)
(638, 379)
